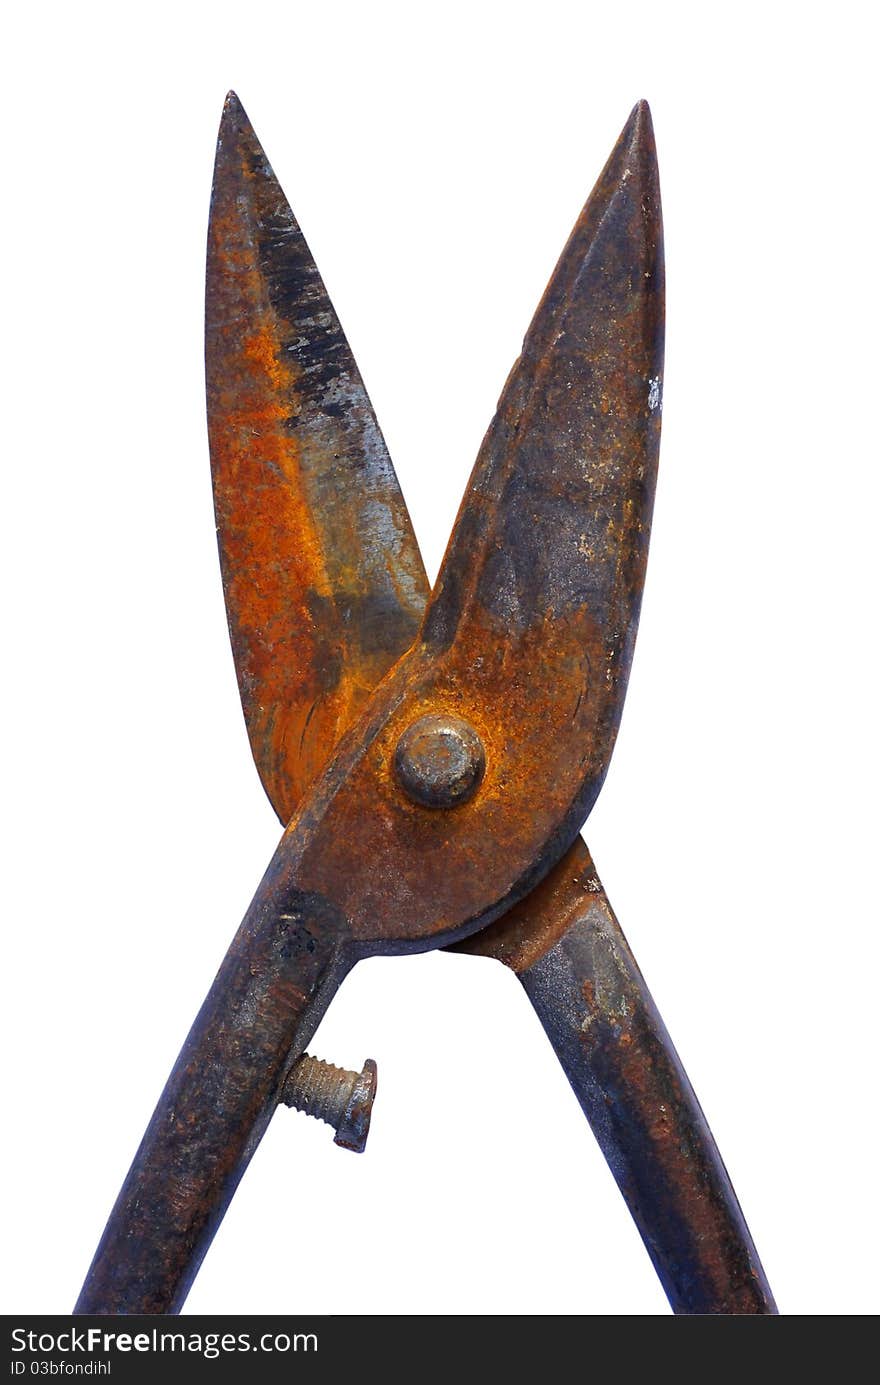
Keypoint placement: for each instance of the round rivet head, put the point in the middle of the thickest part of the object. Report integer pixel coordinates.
(440, 761)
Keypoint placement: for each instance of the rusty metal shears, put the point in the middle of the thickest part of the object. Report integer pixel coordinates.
(433, 754)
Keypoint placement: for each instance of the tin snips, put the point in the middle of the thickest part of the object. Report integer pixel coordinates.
(432, 753)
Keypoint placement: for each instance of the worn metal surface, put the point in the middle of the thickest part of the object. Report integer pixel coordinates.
(323, 579)
(527, 638)
(569, 952)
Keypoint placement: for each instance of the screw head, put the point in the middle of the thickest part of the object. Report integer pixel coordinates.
(440, 761)
(353, 1129)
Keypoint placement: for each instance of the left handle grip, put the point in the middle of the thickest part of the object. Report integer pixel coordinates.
(283, 968)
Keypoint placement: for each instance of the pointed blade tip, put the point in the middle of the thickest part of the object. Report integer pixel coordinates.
(639, 128)
(234, 115)
(236, 133)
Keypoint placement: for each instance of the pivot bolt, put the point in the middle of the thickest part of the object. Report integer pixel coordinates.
(342, 1098)
(440, 761)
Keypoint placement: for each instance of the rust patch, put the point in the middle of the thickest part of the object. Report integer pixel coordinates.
(322, 576)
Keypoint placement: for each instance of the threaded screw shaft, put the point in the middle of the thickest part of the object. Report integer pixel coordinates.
(338, 1096)
(320, 1089)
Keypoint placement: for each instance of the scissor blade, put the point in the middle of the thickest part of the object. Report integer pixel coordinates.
(550, 545)
(322, 576)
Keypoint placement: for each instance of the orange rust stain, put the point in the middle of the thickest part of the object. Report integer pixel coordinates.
(262, 349)
(274, 560)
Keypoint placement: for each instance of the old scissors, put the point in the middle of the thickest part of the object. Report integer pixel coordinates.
(432, 754)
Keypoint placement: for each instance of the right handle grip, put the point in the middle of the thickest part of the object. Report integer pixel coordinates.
(579, 973)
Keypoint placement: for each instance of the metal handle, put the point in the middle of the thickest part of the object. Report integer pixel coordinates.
(568, 949)
(283, 968)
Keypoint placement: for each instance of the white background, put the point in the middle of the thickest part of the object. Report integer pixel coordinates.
(437, 157)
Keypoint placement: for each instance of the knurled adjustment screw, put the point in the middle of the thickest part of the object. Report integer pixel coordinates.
(342, 1098)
